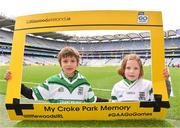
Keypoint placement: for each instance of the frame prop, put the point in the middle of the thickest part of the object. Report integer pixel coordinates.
(88, 20)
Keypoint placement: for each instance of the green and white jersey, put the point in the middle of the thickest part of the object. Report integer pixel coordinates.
(59, 89)
(139, 90)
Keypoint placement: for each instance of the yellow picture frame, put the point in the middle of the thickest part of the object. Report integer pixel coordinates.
(88, 20)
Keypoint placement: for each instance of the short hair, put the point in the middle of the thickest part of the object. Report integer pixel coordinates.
(68, 52)
(121, 69)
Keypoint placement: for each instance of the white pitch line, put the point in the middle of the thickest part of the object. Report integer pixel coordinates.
(33, 83)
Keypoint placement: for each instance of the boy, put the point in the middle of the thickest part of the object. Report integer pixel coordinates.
(69, 86)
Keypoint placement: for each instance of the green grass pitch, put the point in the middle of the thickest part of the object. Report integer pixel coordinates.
(102, 79)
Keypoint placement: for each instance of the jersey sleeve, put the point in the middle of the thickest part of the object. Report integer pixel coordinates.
(151, 93)
(90, 96)
(41, 92)
(114, 95)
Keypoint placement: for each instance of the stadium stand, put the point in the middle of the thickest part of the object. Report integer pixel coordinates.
(42, 48)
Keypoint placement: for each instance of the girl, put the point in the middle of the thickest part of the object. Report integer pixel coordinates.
(133, 87)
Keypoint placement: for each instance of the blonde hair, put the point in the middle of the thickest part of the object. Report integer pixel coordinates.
(122, 67)
(68, 52)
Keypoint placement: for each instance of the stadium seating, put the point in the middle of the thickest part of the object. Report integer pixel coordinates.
(44, 51)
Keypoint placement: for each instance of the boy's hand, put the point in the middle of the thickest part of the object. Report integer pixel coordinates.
(166, 73)
(7, 75)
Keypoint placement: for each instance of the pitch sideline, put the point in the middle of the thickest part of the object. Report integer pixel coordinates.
(32, 83)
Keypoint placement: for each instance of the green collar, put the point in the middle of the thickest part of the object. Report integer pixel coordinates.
(73, 77)
(129, 81)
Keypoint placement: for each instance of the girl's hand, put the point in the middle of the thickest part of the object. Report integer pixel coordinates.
(166, 73)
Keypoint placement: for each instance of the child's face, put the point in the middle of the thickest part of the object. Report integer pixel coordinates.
(69, 65)
(132, 70)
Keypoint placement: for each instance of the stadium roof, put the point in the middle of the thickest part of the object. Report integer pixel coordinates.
(53, 35)
(6, 22)
(9, 23)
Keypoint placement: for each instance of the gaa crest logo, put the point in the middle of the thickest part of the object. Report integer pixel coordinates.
(80, 91)
(142, 96)
(142, 18)
(61, 89)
